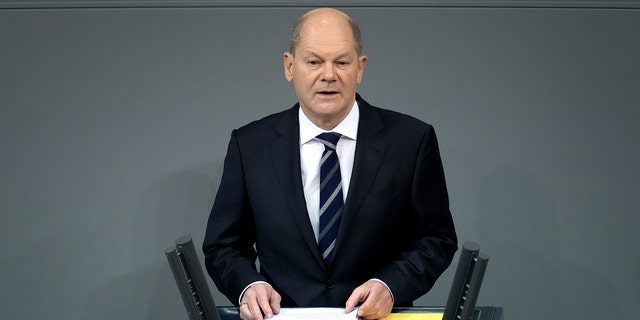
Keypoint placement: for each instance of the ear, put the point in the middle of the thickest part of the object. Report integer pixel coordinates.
(288, 65)
(362, 63)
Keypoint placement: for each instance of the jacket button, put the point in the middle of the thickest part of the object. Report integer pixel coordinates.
(330, 284)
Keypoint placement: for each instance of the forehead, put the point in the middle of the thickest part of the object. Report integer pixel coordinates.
(327, 35)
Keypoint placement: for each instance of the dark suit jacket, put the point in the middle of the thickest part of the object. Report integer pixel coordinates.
(396, 224)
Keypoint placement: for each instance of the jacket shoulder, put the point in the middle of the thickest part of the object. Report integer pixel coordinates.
(395, 121)
(274, 124)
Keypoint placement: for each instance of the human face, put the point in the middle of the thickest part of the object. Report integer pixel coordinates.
(325, 70)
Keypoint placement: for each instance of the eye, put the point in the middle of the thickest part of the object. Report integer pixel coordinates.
(313, 63)
(343, 63)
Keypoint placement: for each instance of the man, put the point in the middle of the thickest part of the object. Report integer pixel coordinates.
(390, 233)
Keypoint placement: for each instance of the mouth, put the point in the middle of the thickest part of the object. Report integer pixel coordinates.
(327, 93)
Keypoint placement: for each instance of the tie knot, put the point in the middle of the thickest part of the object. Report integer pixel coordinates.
(329, 139)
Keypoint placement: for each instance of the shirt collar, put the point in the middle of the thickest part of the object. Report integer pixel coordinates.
(347, 128)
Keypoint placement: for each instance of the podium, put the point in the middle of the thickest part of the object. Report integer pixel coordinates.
(480, 313)
(200, 305)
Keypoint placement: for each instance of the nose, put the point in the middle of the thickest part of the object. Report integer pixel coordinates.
(328, 73)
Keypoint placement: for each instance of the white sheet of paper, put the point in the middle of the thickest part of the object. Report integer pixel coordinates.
(315, 314)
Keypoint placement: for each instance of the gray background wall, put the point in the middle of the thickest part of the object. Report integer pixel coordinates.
(114, 122)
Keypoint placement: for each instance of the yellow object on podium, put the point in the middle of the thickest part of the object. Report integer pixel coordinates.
(414, 316)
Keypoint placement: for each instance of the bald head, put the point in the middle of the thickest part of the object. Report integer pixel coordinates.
(325, 16)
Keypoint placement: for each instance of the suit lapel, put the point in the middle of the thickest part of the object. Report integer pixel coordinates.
(285, 155)
(370, 151)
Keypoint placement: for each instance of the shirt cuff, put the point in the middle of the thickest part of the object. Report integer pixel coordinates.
(391, 293)
(252, 283)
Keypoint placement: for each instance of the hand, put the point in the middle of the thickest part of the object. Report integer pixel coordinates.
(259, 302)
(376, 300)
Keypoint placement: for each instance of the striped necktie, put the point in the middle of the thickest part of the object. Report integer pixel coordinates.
(331, 201)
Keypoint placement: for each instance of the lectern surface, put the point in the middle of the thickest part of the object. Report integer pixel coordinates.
(481, 313)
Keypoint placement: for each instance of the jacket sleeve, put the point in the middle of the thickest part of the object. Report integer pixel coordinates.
(432, 228)
(230, 256)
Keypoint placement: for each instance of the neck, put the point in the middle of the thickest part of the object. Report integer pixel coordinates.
(327, 121)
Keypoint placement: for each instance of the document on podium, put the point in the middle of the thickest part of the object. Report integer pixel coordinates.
(338, 314)
(315, 314)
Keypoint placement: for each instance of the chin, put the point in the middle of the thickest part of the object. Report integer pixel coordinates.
(329, 109)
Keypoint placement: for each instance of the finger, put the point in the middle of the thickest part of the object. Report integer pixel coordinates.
(266, 300)
(254, 311)
(275, 302)
(378, 303)
(265, 306)
(367, 310)
(352, 302)
(264, 296)
(249, 307)
(370, 306)
(372, 310)
(358, 295)
(245, 314)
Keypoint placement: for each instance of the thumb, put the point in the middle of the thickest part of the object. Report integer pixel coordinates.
(354, 299)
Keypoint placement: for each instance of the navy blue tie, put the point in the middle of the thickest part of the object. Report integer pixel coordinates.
(331, 201)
